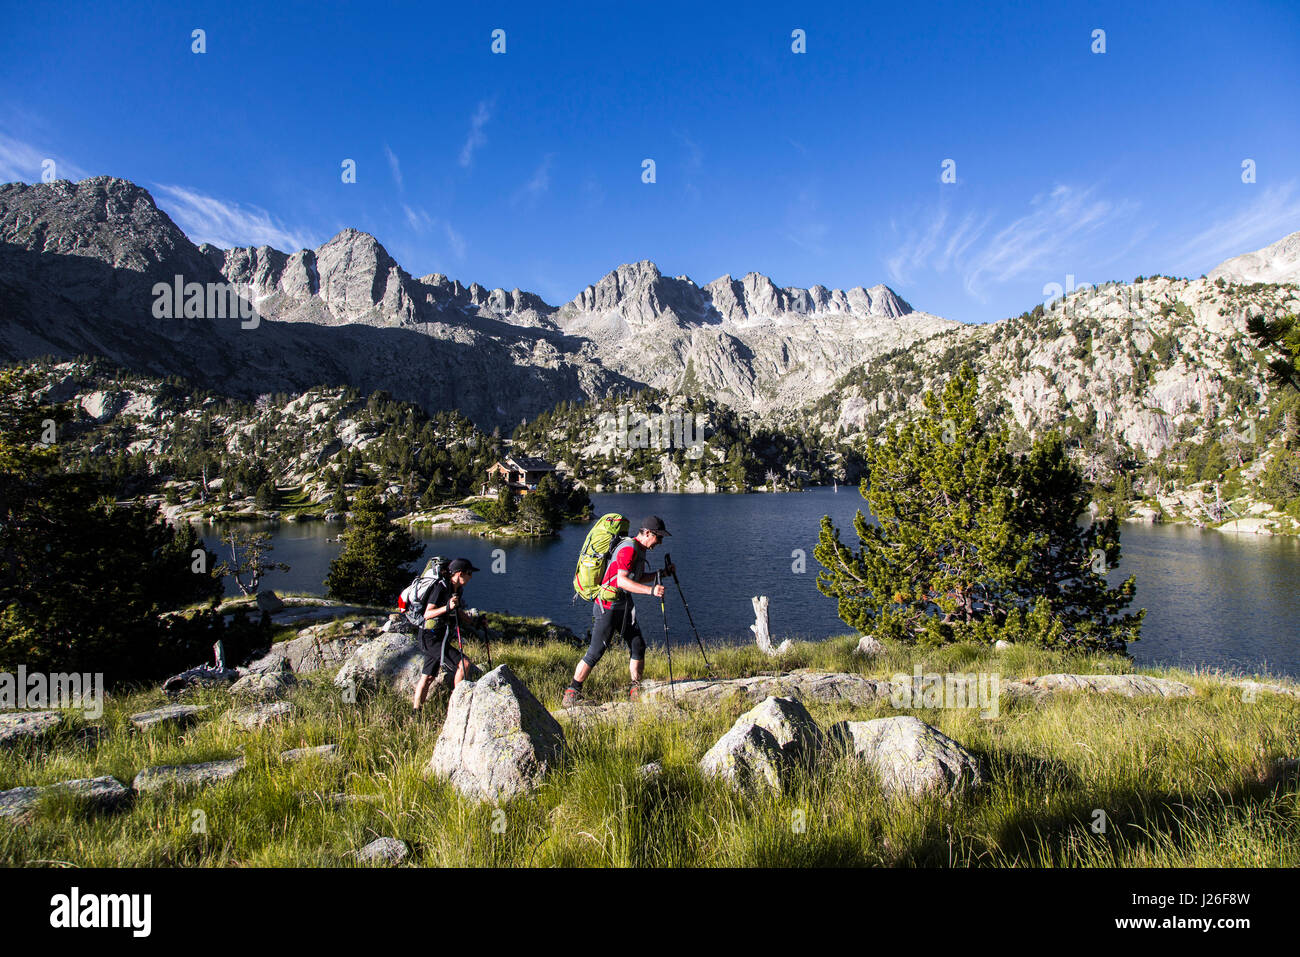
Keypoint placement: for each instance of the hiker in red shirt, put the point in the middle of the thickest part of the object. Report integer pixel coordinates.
(627, 574)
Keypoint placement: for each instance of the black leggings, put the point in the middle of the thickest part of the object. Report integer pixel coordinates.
(605, 624)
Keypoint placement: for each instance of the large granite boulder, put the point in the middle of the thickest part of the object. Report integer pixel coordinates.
(392, 661)
(764, 744)
(910, 757)
(497, 741)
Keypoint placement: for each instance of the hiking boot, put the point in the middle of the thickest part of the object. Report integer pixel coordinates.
(572, 696)
(634, 691)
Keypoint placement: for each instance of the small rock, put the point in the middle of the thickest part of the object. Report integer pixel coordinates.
(186, 775)
(384, 850)
(259, 715)
(869, 646)
(910, 756)
(269, 601)
(324, 752)
(176, 715)
(1003, 645)
(103, 792)
(18, 726)
(268, 686)
(650, 772)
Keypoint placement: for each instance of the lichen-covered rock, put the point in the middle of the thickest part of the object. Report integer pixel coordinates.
(316, 647)
(910, 757)
(383, 850)
(869, 647)
(176, 715)
(183, 776)
(827, 687)
(392, 661)
(260, 715)
(764, 744)
(324, 752)
(1129, 686)
(17, 805)
(18, 726)
(265, 687)
(497, 741)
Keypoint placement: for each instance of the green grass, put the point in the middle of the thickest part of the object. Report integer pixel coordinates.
(1181, 781)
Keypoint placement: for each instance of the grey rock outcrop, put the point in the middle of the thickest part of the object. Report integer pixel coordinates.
(316, 647)
(260, 715)
(16, 726)
(185, 776)
(1129, 686)
(174, 716)
(392, 661)
(910, 757)
(266, 687)
(827, 687)
(497, 741)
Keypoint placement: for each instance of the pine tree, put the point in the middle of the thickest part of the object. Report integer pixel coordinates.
(373, 565)
(969, 543)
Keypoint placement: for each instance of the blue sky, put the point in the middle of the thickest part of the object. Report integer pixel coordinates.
(525, 168)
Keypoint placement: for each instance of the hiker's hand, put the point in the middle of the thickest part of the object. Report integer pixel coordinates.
(453, 602)
(657, 591)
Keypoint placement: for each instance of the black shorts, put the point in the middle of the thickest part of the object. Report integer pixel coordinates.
(607, 625)
(437, 652)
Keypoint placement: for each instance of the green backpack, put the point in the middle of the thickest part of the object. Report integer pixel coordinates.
(593, 560)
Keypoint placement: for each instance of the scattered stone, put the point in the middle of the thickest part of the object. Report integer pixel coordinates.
(18, 726)
(185, 775)
(19, 804)
(869, 646)
(204, 676)
(612, 712)
(1003, 645)
(1130, 686)
(650, 772)
(764, 744)
(1249, 687)
(384, 850)
(104, 792)
(260, 715)
(789, 722)
(176, 715)
(324, 752)
(269, 601)
(910, 756)
(266, 687)
(397, 624)
(827, 687)
(497, 741)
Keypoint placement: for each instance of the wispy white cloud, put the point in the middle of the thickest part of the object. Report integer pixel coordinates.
(538, 185)
(1046, 241)
(206, 219)
(419, 220)
(1270, 214)
(476, 136)
(394, 165)
(21, 162)
(455, 240)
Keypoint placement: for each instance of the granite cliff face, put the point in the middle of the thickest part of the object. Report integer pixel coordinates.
(1276, 263)
(79, 261)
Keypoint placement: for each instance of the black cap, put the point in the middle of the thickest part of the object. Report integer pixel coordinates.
(460, 565)
(655, 524)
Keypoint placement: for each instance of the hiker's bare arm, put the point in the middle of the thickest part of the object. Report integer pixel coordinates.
(639, 586)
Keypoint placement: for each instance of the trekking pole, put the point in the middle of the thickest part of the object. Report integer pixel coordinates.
(667, 644)
(487, 645)
(668, 560)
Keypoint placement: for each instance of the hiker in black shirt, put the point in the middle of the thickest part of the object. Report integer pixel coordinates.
(439, 638)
